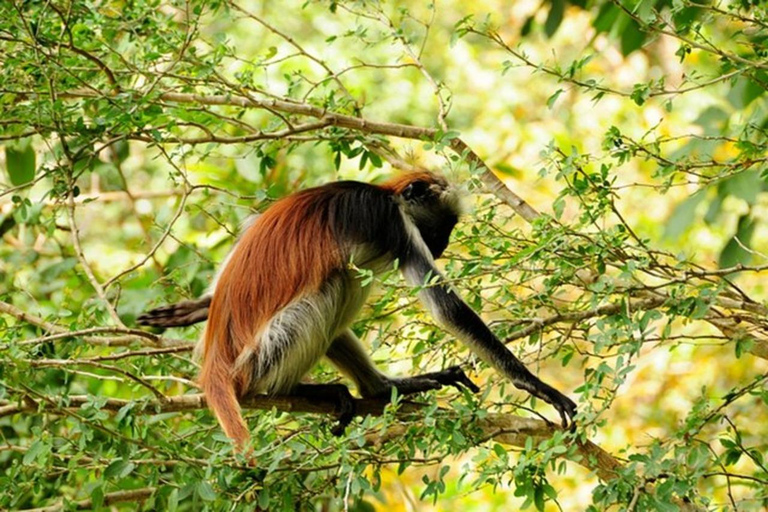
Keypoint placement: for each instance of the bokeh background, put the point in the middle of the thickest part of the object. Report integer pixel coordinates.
(133, 152)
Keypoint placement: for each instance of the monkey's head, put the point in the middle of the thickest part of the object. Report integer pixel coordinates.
(432, 203)
(426, 194)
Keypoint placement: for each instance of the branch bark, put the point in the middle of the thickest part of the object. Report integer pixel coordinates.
(327, 118)
(505, 428)
(109, 499)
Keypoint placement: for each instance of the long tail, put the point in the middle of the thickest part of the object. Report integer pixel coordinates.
(221, 398)
(180, 314)
(216, 379)
(218, 384)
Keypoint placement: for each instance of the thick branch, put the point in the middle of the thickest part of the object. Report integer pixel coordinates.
(509, 429)
(109, 499)
(504, 428)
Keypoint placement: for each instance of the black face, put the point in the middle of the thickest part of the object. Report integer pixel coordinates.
(433, 217)
(417, 190)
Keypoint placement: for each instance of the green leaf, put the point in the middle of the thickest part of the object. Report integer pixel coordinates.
(173, 501)
(121, 149)
(558, 206)
(683, 215)
(552, 99)
(37, 448)
(754, 89)
(712, 120)
(555, 17)
(736, 250)
(732, 457)
(644, 10)
(606, 17)
(20, 162)
(526, 28)
(97, 496)
(264, 499)
(119, 468)
(743, 345)
(714, 208)
(538, 497)
(685, 16)
(631, 38)
(205, 491)
(640, 93)
(745, 185)
(375, 160)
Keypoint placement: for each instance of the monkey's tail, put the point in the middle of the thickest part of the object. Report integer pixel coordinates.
(218, 384)
(179, 314)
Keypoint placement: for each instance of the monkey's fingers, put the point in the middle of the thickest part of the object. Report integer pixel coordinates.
(345, 407)
(347, 411)
(565, 407)
(455, 376)
(566, 415)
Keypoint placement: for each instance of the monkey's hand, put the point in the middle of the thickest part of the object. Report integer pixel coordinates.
(564, 405)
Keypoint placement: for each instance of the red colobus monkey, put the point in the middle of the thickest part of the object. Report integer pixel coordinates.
(286, 297)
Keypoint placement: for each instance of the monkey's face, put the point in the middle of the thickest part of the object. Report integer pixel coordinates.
(428, 197)
(434, 207)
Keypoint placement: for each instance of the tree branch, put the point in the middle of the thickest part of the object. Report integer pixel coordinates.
(504, 428)
(247, 100)
(109, 499)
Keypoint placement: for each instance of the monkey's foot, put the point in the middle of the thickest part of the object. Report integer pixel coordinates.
(338, 393)
(453, 376)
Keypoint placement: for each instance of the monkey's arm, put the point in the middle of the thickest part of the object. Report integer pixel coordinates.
(179, 314)
(453, 313)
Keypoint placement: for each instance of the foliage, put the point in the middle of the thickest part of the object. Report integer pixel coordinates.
(139, 134)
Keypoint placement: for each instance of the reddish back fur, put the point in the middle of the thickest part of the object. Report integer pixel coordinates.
(398, 183)
(288, 252)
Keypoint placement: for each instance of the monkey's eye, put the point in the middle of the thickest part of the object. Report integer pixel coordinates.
(416, 190)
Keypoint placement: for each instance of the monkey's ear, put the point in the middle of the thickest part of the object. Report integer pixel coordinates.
(415, 190)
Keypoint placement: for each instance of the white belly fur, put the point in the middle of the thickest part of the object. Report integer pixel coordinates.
(299, 335)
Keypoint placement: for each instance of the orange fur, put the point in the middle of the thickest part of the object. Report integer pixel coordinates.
(398, 183)
(287, 253)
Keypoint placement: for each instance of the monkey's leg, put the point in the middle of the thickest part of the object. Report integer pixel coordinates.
(339, 393)
(349, 355)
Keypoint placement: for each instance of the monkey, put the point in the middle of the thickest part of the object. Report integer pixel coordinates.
(179, 314)
(286, 296)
